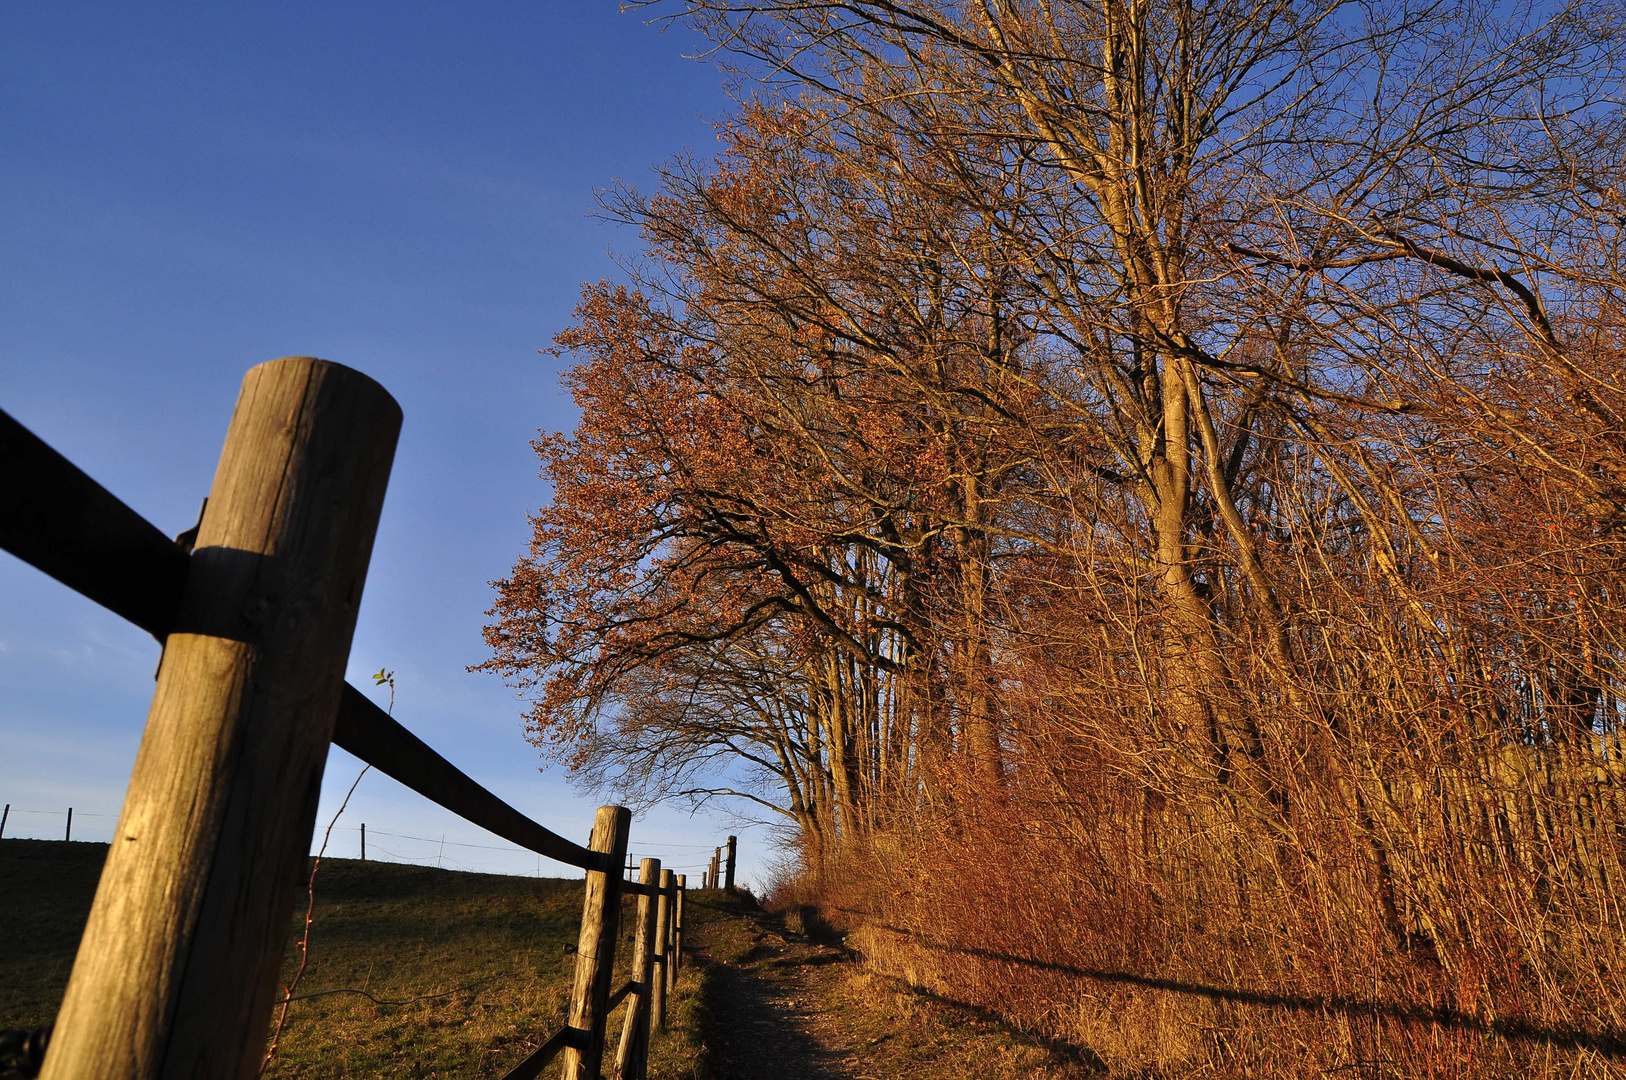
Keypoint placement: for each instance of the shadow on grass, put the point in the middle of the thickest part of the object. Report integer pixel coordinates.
(817, 928)
(1608, 1043)
(1070, 1052)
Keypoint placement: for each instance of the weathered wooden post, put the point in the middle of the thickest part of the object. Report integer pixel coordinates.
(5, 815)
(632, 1059)
(364, 842)
(177, 968)
(728, 878)
(595, 946)
(67, 834)
(716, 859)
(663, 951)
(676, 950)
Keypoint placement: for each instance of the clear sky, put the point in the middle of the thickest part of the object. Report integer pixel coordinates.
(188, 189)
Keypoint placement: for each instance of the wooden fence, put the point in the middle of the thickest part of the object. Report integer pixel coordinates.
(176, 974)
(719, 867)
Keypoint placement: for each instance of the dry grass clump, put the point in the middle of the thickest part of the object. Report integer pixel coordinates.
(1170, 940)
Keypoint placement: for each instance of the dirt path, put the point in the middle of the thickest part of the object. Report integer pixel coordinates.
(777, 1005)
(771, 1008)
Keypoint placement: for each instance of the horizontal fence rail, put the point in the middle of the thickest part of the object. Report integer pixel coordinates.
(543, 1055)
(65, 524)
(62, 522)
(377, 738)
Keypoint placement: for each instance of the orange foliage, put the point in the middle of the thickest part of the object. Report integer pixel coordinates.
(1158, 551)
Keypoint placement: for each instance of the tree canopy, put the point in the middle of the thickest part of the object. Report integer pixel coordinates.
(1183, 440)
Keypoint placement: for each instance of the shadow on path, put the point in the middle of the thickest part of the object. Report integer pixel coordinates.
(779, 1005)
(757, 1021)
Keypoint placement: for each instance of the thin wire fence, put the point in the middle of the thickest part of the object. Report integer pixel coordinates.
(93, 826)
(286, 536)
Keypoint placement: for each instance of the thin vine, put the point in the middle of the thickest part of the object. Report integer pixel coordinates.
(380, 678)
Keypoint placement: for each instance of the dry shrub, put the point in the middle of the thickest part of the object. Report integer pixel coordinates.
(1177, 937)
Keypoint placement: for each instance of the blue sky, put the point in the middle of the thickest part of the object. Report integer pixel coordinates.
(191, 189)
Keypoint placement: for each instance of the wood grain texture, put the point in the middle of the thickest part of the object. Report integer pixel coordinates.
(632, 1057)
(677, 931)
(176, 973)
(595, 948)
(663, 951)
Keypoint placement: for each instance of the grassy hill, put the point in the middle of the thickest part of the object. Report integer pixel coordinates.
(459, 974)
(45, 892)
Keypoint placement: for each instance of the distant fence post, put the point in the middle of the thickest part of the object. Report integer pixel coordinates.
(363, 841)
(716, 858)
(177, 969)
(675, 951)
(663, 951)
(595, 948)
(67, 833)
(728, 879)
(4, 816)
(632, 1060)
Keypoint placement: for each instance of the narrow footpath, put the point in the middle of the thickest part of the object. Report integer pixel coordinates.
(778, 1005)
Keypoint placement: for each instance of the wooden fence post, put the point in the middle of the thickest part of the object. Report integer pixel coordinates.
(67, 833)
(632, 1060)
(177, 969)
(595, 947)
(676, 949)
(728, 879)
(663, 951)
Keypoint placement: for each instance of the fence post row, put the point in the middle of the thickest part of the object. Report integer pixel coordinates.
(177, 968)
(676, 949)
(663, 951)
(595, 948)
(632, 1058)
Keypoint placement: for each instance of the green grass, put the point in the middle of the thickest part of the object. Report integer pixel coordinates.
(490, 956)
(410, 932)
(45, 892)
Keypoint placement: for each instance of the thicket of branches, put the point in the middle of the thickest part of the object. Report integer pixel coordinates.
(1141, 486)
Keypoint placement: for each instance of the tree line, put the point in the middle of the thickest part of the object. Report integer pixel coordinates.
(1164, 457)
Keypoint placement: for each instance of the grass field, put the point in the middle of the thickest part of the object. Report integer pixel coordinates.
(470, 971)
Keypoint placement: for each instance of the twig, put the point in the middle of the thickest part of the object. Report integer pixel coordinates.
(382, 678)
(305, 939)
(408, 1001)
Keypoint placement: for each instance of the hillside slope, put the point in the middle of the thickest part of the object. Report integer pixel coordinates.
(419, 972)
(413, 971)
